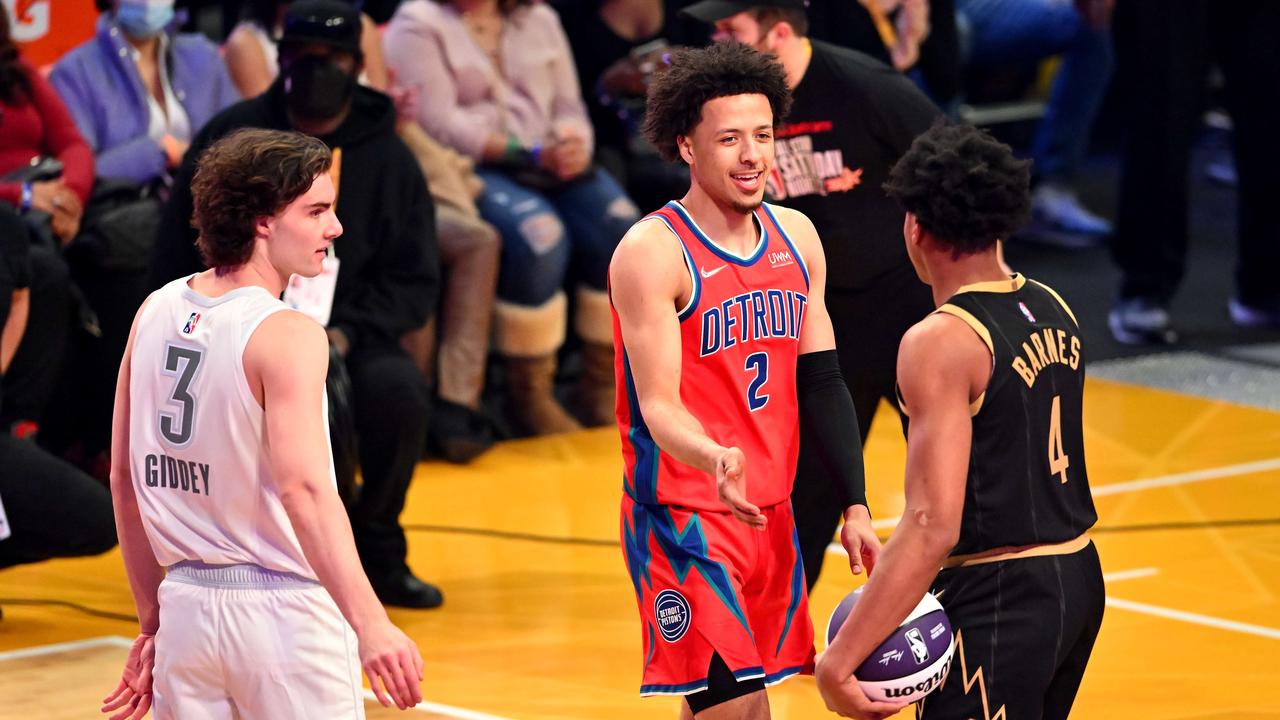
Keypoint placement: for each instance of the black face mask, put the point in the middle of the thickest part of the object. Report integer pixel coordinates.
(317, 89)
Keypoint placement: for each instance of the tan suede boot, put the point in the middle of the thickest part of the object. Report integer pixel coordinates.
(599, 397)
(594, 324)
(528, 338)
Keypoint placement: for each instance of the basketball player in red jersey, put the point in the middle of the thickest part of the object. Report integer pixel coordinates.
(724, 347)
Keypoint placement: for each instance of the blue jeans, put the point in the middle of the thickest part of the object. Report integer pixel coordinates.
(544, 234)
(1003, 31)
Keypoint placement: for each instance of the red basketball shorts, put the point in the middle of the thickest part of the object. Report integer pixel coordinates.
(706, 582)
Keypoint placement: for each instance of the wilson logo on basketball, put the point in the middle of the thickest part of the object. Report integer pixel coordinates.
(921, 688)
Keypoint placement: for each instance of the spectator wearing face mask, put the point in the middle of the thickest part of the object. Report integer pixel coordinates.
(388, 275)
(139, 90)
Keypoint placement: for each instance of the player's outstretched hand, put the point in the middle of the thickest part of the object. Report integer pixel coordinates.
(393, 664)
(732, 487)
(132, 697)
(859, 540)
(844, 696)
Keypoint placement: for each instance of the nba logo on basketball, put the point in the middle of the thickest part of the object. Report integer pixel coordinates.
(191, 324)
(918, 648)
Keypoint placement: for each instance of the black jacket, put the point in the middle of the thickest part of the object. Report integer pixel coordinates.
(389, 278)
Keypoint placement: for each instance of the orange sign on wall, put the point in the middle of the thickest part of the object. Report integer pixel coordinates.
(44, 30)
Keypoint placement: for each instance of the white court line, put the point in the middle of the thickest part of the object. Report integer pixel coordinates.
(1130, 486)
(1195, 618)
(1129, 574)
(446, 710)
(1188, 477)
(37, 651)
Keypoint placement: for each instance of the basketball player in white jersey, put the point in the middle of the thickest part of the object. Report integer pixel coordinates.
(251, 598)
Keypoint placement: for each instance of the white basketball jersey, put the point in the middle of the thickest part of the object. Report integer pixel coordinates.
(198, 448)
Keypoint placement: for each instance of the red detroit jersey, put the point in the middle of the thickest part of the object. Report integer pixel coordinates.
(739, 338)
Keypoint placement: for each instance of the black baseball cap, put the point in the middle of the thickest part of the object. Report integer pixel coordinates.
(331, 22)
(710, 11)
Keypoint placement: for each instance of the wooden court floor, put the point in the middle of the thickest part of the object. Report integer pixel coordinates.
(539, 620)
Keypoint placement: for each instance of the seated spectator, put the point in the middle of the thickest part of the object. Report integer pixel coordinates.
(995, 32)
(455, 360)
(50, 509)
(616, 45)
(388, 273)
(34, 126)
(502, 90)
(252, 57)
(140, 91)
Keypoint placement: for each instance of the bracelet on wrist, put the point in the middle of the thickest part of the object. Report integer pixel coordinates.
(513, 151)
(28, 194)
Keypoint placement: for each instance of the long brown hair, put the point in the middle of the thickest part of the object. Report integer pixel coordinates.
(15, 86)
(249, 174)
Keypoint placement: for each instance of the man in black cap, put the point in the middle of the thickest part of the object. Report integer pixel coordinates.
(851, 118)
(387, 264)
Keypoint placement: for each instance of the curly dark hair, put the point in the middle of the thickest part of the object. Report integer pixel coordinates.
(964, 187)
(673, 106)
(249, 174)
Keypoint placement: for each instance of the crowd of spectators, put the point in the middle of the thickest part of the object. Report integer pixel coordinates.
(488, 160)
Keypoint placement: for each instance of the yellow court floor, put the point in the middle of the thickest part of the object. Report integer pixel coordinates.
(540, 618)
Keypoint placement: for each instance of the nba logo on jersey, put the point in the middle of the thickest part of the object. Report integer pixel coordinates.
(1026, 311)
(191, 324)
(918, 647)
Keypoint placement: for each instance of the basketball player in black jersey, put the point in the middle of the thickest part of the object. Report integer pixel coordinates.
(996, 489)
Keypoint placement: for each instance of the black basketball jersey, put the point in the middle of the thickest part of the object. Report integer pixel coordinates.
(1027, 482)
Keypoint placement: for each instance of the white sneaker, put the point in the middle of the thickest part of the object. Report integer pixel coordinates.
(1141, 321)
(1059, 209)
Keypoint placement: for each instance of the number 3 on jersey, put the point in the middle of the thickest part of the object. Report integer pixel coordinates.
(181, 363)
(760, 363)
(1058, 460)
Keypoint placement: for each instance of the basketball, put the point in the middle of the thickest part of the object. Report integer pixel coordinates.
(912, 661)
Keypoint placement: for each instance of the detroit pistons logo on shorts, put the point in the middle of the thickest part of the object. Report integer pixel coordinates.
(673, 615)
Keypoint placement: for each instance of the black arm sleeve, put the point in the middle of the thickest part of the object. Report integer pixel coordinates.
(829, 424)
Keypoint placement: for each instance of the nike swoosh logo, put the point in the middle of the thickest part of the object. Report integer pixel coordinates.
(707, 274)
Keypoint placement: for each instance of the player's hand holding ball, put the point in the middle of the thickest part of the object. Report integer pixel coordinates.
(132, 697)
(732, 488)
(393, 664)
(844, 696)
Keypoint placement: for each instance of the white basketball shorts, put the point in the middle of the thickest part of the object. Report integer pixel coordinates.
(242, 641)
